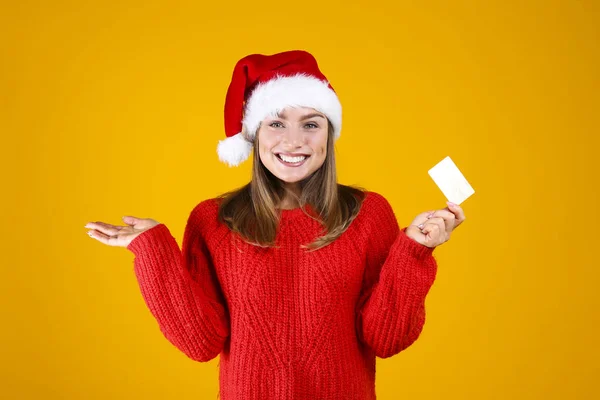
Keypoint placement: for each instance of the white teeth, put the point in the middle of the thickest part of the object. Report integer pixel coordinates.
(292, 159)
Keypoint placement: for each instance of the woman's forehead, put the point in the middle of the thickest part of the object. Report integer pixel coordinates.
(297, 112)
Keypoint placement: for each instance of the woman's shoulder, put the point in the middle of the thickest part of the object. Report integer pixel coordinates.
(376, 213)
(378, 219)
(375, 202)
(207, 206)
(205, 213)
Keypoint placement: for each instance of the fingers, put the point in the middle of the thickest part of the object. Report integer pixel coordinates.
(104, 228)
(448, 217)
(422, 218)
(110, 234)
(106, 239)
(457, 211)
(436, 226)
(435, 230)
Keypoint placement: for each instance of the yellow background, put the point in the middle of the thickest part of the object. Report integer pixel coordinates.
(115, 108)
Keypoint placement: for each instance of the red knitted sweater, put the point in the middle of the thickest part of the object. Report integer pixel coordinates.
(287, 323)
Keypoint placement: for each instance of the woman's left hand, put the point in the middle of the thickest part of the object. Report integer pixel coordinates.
(433, 228)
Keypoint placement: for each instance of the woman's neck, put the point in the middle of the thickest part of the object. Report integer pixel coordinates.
(290, 201)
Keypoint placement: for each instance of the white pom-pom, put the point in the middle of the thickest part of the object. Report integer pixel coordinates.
(234, 149)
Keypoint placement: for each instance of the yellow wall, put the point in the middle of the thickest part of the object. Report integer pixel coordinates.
(116, 108)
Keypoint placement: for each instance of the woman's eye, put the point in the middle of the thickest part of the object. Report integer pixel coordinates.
(277, 124)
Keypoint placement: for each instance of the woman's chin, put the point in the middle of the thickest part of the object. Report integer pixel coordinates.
(290, 179)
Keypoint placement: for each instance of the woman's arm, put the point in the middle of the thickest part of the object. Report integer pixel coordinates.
(398, 275)
(181, 288)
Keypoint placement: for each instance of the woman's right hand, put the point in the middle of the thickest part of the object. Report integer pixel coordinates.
(114, 235)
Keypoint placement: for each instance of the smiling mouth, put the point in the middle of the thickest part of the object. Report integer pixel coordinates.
(292, 161)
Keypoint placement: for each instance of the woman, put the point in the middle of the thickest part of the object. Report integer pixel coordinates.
(296, 281)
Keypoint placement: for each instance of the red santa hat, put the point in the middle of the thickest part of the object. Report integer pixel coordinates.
(262, 86)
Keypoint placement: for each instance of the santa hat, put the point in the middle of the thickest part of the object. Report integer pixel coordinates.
(262, 86)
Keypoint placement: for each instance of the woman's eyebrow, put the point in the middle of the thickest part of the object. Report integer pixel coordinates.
(307, 116)
(312, 116)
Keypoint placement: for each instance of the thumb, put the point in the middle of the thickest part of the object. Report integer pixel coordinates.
(129, 220)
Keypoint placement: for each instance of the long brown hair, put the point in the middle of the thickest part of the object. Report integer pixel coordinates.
(251, 210)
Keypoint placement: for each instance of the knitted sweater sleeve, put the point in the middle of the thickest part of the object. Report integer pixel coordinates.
(181, 289)
(398, 275)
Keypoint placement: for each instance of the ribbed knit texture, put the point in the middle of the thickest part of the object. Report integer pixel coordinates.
(287, 323)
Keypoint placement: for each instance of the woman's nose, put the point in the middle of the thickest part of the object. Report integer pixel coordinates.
(294, 136)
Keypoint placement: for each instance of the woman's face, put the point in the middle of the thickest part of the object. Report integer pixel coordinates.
(293, 145)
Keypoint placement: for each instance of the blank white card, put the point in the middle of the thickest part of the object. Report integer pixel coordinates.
(451, 181)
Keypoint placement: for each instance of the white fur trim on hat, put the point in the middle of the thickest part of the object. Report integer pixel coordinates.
(234, 149)
(301, 90)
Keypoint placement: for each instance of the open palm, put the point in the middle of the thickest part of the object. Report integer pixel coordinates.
(121, 236)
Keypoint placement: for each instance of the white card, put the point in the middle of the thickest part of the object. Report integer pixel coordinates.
(450, 181)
